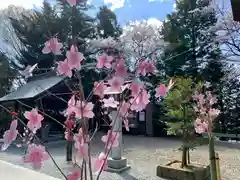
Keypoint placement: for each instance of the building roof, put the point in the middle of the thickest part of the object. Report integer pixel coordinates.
(33, 88)
(38, 84)
(108, 90)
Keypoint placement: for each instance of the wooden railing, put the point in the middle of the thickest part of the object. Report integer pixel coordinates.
(223, 135)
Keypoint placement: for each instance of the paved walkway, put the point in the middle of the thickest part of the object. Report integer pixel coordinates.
(143, 154)
(13, 172)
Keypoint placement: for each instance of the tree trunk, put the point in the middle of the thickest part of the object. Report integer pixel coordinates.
(212, 157)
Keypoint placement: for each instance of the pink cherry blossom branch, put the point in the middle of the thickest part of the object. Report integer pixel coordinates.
(98, 83)
(85, 130)
(115, 135)
(84, 124)
(84, 120)
(63, 125)
(94, 133)
(54, 162)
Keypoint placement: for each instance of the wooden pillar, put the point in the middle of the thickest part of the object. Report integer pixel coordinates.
(16, 109)
(44, 131)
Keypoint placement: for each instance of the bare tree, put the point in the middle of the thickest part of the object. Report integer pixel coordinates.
(228, 30)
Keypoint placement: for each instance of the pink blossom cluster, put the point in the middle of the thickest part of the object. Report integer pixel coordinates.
(81, 109)
(206, 112)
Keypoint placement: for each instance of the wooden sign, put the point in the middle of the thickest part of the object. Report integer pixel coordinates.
(142, 116)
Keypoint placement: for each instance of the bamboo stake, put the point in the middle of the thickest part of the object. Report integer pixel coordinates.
(218, 167)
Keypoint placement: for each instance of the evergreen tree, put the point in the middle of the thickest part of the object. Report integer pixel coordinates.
(7, 80)
(7, 75)
(186, 30)
(70, 26)
(193, 51)
(39, 26)
(179, 105)
(107, 23)
(229, 121)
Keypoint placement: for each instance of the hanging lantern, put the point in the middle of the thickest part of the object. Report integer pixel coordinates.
(235, 10)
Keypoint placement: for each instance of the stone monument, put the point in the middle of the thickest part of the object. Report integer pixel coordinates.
(117, 163)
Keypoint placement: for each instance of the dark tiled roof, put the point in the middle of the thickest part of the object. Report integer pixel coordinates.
(34, 87)
(130, 77)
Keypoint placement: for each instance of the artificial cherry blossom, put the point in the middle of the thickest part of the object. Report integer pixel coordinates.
(70, 124)
(151, 67)
(67, 135)
(83, 109)
(111, 139)
(135, 88)
(116, 84)
(146, 67)
(123, 108)
(140, 102)
(80, 144)
(53, 46)
(104, 61)
(142, 68)
(27, 72)
(71, 106)
(126, 124)
(36, 154)
(162, 89)
(72, 2)
(74, 58)
(10, 135)
(34, 119)
(79, 137)
(64, 69)
(120, 68)
(101, 162)
(75, 174)
(82, 149)
(99, 88)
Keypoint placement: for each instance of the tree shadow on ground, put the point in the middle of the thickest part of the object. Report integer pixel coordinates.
(128, 176)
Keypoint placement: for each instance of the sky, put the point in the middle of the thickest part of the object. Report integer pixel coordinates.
(126, 10)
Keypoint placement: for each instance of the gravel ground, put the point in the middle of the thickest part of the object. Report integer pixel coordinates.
(143, 154)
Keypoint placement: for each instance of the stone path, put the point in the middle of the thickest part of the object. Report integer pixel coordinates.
(10, 171)
(143, 154)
